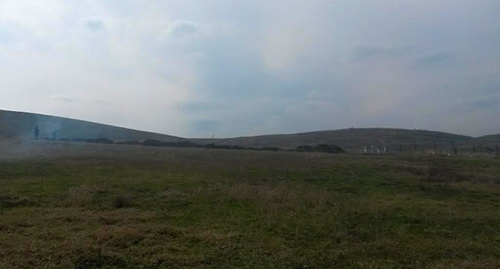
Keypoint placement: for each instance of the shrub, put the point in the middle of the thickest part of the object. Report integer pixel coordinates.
(157, 143)
(270, 148)
(304, 148)
(320, 148)
(122, 201)
(130, 142)
(99, 140)
(99, 260)
(329, 148)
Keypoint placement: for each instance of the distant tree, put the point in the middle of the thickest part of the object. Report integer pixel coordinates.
(320, 148)
(304, 148)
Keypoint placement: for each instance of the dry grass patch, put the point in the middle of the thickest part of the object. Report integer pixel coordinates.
(81, 196)
(348, 212)
(62, 234)
(210, 236)
(118, 236)
(172, 195)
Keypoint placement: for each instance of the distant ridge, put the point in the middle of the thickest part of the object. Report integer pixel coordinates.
(357, 138)
(22, 124)
(489, 139)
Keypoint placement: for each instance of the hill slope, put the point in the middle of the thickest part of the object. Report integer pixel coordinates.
(21, 125)
(489, 139)
(351, 139)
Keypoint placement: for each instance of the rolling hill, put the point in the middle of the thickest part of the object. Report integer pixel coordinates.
(356, 139)
(489, 139)
(21, 125)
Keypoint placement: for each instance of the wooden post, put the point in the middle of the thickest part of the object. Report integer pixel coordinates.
(474, 148)
(452, 147)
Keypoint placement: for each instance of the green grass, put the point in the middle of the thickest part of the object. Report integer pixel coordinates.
(241, 209)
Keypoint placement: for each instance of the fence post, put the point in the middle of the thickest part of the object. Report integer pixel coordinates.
(474, 148)
(452, 147)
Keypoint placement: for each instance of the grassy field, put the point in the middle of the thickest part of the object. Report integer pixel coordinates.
(177, 208)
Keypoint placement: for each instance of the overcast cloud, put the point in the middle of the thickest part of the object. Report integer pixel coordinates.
(224, 67)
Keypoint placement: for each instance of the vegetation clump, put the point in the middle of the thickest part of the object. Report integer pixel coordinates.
(99, 260)
(122, 201)
(128, 142)
(320, 148)
(157, 143)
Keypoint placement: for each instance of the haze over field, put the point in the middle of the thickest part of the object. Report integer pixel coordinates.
(20, 125)
(234, 68)
(249, 134)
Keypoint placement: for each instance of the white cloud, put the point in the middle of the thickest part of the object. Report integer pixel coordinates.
(64, 98)
(42, 19)
(290, 31)
(276, 66)
(181, 29)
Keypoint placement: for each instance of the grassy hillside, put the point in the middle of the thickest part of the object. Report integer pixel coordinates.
(489, 139)
(21, 125)
(108, 206)
(353, 139)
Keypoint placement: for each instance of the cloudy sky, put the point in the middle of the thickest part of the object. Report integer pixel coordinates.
(195, 68)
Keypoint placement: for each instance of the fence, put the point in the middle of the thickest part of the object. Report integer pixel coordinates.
(450, 148)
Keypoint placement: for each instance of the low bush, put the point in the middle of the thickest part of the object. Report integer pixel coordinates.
(320, 148)
(122, 201)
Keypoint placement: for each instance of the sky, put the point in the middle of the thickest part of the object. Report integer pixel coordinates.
(223, 68)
